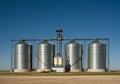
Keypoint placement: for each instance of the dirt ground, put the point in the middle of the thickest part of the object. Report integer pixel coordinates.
(59, 79)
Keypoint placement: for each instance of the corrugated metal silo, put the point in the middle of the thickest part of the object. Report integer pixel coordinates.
(45, 54)
(23, 57)
(96, 56)
(73, 56)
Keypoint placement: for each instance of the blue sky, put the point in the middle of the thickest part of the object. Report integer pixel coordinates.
(40, 19)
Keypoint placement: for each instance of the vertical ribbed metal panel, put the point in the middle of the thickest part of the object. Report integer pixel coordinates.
(73, 55)
(45, 54)
(96, 55)
(23, 56)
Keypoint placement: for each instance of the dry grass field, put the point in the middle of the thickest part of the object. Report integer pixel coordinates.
(59, 79)
(58, 74)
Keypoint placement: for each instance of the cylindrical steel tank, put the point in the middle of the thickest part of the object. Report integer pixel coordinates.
(96, 56)
(22, 57)
(73, 56)
(45, 56)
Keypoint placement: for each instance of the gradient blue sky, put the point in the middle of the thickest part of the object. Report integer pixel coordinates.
(78, 18)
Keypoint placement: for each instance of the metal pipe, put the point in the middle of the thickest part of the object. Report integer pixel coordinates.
(85, 38)
(41, 39)
(33, 39)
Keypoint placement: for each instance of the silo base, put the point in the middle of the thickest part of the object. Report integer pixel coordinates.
(58, 69)
(22, 70)
(96, 70)
(76, 70)
(43, 70)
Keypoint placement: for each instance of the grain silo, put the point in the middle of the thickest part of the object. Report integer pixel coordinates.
(73, 56)
(23, 57)
(96, 56)
(45, 53)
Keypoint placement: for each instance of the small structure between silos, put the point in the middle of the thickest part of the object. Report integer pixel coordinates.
(58, 58)
(73, 57)
(96, 56)
(23, 57)
(45, 54)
